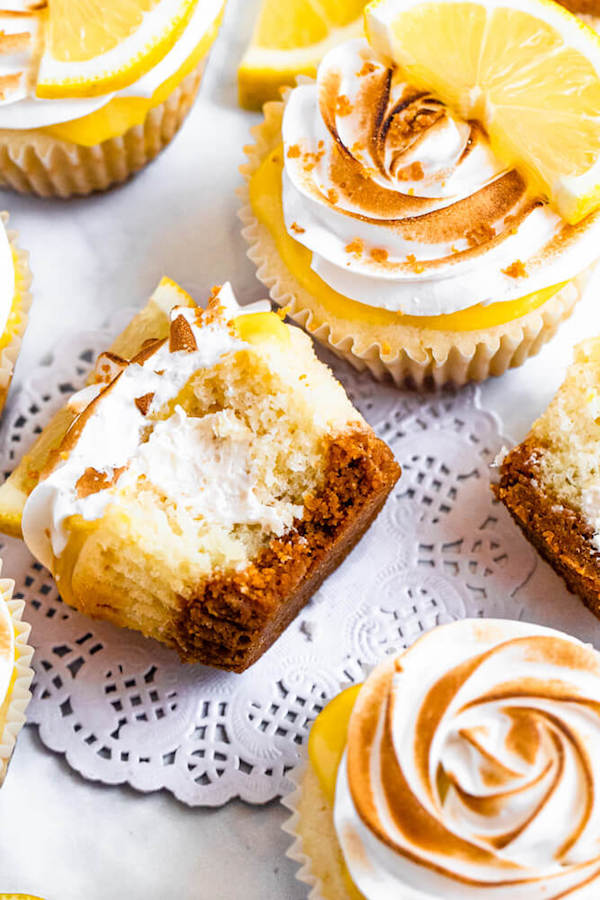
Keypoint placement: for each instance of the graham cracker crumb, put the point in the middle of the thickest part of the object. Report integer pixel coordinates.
(367, 69)
(356, 247)
(480, 234)
(343, 107)
(414, 172)
(379, 254)
(411, 259)
(516, 269)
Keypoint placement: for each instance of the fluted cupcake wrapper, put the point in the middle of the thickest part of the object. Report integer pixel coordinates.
(9, 354)
(314, 845)
(12, 710)
(33, 162)
(405, 353)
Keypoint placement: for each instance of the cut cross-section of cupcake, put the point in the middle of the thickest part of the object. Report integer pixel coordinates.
(550, 483)
(203, 487)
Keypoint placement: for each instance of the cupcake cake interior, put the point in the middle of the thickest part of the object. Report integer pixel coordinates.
(205, 487)
(550, 482)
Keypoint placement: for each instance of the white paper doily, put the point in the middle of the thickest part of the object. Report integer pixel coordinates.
(124, 709)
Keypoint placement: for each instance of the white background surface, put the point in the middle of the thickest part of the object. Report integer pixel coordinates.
(61, 837)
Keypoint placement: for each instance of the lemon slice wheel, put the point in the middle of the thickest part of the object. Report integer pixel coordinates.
(291, 38)
(95, 47)
(527, 69)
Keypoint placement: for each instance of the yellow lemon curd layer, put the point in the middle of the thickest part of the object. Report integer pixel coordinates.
(64, 565)
(15, 315)
(266, 202)
(326, 745)
(264, 326)
(122, 113)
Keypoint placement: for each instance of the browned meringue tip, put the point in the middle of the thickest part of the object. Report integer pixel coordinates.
(420, 358)
(181, 336)
(108, 365)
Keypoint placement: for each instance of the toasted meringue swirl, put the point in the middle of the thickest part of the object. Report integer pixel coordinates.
(404, 205)
(472, 768)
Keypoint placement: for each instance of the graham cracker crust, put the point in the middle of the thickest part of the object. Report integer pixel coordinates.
(234, 618)
(559, 533)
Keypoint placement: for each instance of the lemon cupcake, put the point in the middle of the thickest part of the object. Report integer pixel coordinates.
(15, 301)
(15, 671)
(391, 227)
(90, 93)
(465, 768)
(205, 484)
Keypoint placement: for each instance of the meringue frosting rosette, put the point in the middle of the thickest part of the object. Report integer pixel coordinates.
(394, 234)
(15, 301)
(466, 767)
(61, 146)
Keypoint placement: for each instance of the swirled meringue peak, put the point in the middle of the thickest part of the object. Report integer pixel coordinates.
(472, 768)
(404, 205)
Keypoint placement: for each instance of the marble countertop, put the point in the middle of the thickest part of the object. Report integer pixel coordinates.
(61, 837)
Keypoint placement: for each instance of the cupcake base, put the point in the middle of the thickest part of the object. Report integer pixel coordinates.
(33, 162)
(12, 709)
(315, 847)
(404, 353)
(9, 353)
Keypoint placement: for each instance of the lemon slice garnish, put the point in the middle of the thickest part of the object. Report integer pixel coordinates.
(95, 47)
(528, 70)
(290, 38)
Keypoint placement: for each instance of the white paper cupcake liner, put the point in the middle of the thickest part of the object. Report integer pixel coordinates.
(9, 354)
(291, 826)
(418, 356)
(19, 694)
(33, 162)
